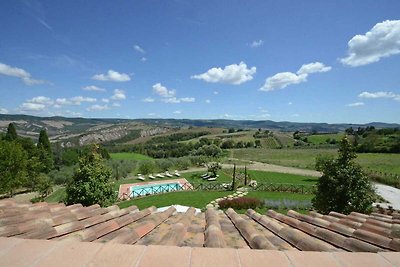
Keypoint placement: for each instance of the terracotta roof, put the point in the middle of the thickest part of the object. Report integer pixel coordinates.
(213, 229)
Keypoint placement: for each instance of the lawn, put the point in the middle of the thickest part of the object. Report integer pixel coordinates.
(57, 196)
(274, 177)
(305, 158)
(197, 199)
(129, 156)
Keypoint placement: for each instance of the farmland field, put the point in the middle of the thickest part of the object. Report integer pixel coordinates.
(321, 138)
(129, 156)
(305, 158)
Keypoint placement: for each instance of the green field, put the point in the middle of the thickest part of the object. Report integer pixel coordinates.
(57, 196)
(321, 138)
(197, 199)
(305, 158)
(129, 156)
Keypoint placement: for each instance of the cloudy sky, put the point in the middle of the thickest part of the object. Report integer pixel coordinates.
(308, 61)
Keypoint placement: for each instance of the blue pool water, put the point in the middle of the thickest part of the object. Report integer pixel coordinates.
(149, 189)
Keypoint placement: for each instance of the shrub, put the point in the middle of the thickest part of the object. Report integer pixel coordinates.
(240, 203)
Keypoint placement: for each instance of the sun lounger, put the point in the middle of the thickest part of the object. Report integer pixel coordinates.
(160, 176)
(152, 177)
(141, 178)
(212, 179)
(204, 175)
(177, 174)
(168, 174)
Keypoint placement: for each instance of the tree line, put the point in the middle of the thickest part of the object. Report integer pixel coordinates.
(24, 164)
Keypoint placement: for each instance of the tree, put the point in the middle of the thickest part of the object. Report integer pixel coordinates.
(91, 181)
(44, 151)
(13, 164)
(343, 186)
(213, 168)
(11, 134)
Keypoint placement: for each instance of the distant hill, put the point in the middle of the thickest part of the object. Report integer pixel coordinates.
(81, 131)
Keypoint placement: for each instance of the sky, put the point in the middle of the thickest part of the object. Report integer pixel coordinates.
(304, 61)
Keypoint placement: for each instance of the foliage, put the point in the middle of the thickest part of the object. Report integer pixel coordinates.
(13, 166)
(369, 139)
(11, 134)
(213, 168)
(147, 167)
(61, 176)
(240, 203)
(343, 187)
(91, 181)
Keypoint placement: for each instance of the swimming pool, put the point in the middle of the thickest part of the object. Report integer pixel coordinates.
(149, 189)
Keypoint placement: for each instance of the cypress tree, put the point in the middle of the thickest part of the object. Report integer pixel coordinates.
(11, 134)
(45, 153)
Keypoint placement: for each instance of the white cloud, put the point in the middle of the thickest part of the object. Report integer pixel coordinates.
(3, 111)
(174, 100)
(116, 104)
(105, 100)
(41, 100)
(283, 79)
(151, 114)
(383, 40)
(231, 74)
(313, 68)
(98, 108)
(177, 112)
(290, 103)
(93, 88)
(295, 115)
(139, 49)
(163, 91)
(356, 104)
(77, 100)
(379, 94)
(208, 101)
(187, 99)
(63, 101)
(215, 92)
(113, 76)
(143, 59)
(148, 100)
(258, 43)
(19, 73)
(119, 95)
(27, 106)
(168, 96)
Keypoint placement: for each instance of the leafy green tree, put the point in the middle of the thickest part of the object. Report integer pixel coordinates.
(44, 151)
(147, 167)
(11, 132)
(213, 168)
(13, 165)
(44, 141)
(343, 186)
(91, 181)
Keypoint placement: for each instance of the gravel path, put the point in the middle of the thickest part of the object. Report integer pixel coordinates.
(389, 193)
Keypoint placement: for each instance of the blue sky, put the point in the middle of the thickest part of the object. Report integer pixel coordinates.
(308, 61)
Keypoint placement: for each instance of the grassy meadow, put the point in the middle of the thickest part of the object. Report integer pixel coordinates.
(305, 158)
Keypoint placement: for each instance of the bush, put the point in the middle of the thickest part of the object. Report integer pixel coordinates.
(240, 203)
